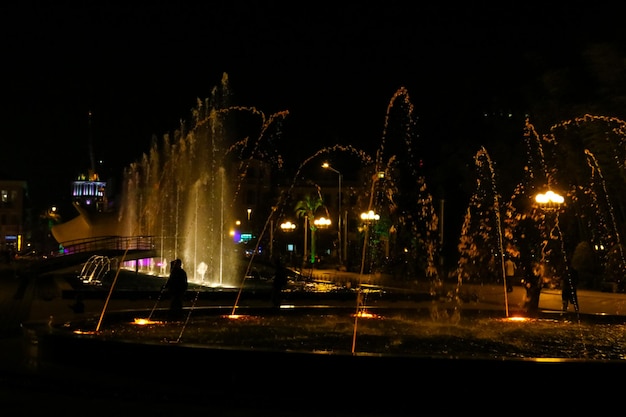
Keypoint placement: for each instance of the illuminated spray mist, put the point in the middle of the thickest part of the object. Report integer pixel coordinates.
(182, 191)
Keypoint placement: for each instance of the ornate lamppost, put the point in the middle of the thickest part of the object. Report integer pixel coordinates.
(326, 165)
(288, 227)
(367, 218)
(550, 201)
(319, 223)
(550, 204)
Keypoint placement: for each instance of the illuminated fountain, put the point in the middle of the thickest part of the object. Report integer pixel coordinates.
(568, 159)
(580, 233)
(183, 190)
(179, 192)
(482, 236)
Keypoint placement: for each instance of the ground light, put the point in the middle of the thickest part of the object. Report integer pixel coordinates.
(367, 315)
(145, 322)
(517, 319)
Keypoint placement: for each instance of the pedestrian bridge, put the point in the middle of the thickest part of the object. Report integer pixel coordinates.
(79, 251)
(115, 245)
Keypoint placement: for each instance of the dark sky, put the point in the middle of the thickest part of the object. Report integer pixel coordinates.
(334, 67)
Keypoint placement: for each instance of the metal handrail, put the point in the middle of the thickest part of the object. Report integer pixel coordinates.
(121, 243)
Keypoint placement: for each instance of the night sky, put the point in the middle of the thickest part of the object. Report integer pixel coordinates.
(334, 67)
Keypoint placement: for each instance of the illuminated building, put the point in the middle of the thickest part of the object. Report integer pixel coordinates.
(89, 192)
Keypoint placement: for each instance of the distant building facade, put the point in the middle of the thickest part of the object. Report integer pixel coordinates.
(89, 192)
(13, 215)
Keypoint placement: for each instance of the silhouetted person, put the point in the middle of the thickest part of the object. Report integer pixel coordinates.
(280, 280)
(568, 290)
(533, 276)
(509, 269)
(176, 287)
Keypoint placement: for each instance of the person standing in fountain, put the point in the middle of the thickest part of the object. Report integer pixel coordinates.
(533, 281)
(176, 286)
(568, 290)
(509, 269)
(280, 280)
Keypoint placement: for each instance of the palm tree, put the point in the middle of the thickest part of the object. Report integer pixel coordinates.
(307, 207)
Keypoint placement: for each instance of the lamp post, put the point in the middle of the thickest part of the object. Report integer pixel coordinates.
(319, 223)
(550, 203)
(288, 227)
(326, 165)
(304, 252)
(367, 218)
(322, 222)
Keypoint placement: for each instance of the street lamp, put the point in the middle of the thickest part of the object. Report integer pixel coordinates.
(549, 203)
(319, 223)
(368, 218)
(322, 222)
(326, 165)
(287, 226)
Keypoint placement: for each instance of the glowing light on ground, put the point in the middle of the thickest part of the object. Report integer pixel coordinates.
(144, 322)
(237, 316)
(550, 360)
(84, 332)
(517, 319)
(366, 315)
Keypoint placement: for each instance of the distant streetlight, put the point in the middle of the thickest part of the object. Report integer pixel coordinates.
(287, 226)
(370, 216)
(304, 253)
(322, 222)
(326, 165)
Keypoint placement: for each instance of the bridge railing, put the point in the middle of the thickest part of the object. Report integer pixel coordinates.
(119, 243)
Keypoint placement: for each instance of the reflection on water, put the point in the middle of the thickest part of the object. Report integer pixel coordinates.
(394, 332)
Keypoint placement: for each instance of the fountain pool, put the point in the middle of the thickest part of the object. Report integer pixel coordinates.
(305, 354)
(419, 332)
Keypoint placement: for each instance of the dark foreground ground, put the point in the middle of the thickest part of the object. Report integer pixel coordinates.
(97, 378)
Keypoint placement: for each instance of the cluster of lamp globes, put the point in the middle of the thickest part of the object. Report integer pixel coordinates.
(320, 222)
(550, 200)
(324, 222)
(370, 216)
